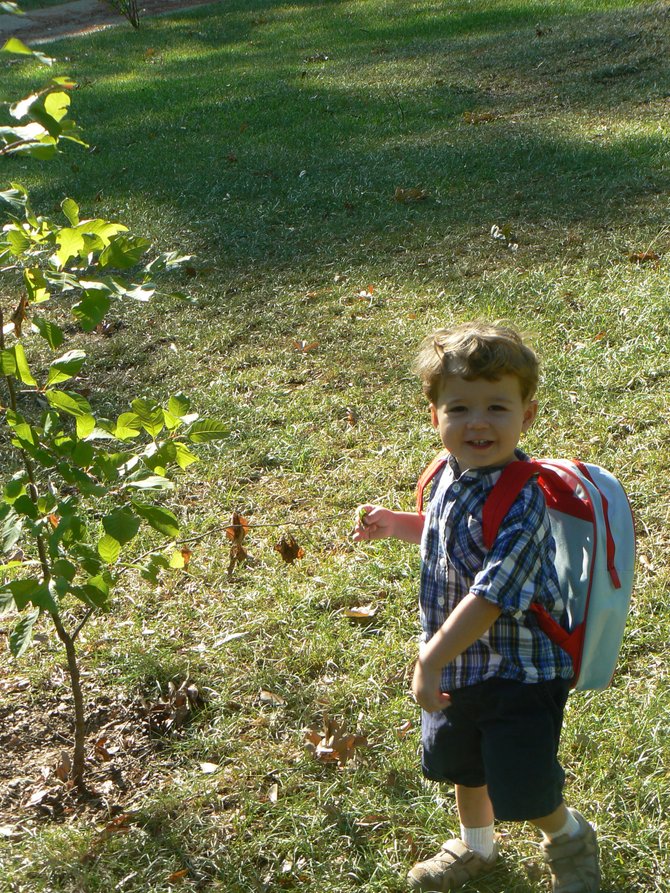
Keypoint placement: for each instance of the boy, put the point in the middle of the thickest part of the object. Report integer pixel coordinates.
(491, 684)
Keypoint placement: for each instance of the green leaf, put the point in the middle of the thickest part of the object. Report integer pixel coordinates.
(8, 361)
(22, 367)
(158, 517)
(127, 426)
(14, 45)
(179, 405)
(70, 243)
(207, 430)
(71, 210)
(51, 333)
(95, 591)
(124, 252)
(66, 401)
(122, 524)
(22, 634)
(36, 286)
(92, 309)
(150, 416)
(150, 482)
(109, 549)
(64, 568)
(65, 367)
(17, 241)
(184, 457)
(6, 601)
(85, 426)
(10, 533)
(23, 591)
(57, 105)
(177, 560)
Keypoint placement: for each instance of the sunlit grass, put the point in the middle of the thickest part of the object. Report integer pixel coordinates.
(225, 133)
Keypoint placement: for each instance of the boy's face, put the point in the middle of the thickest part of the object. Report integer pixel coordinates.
(481, 421)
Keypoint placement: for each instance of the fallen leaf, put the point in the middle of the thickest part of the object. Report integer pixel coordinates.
(209, 768)
(643, 257)
(177, 876)
(119, 825)
(186, 555)
(64, 766)
(273, 793)
(269, 697)
(405, 728)
(374, 820)
(289, 549)
(363, 613)
(408, 196)
(351, 416)
(305, 346)
(332, 745)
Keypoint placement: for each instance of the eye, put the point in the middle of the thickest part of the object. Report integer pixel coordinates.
(497, 407)
(453, 410)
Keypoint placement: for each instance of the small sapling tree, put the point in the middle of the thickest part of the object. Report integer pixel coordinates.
(82, 489)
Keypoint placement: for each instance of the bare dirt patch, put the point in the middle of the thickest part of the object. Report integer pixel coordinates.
(65, 21)
(126, 753)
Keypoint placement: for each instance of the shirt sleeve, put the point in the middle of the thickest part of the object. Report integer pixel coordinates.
(513, 566)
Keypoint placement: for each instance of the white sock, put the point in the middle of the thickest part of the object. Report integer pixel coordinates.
(571, 827)
(481, 840)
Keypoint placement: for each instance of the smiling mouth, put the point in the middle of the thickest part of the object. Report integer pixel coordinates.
(479, 444)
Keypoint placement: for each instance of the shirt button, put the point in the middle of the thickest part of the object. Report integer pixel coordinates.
(457, 488)
(440, 601)
(443, 562)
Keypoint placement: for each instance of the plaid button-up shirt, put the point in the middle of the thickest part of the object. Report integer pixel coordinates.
(517, 570)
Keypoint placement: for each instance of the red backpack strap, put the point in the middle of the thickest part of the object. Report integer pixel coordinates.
(511, 482)
(427, 476)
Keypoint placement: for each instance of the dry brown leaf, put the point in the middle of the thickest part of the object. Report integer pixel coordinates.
(289, 549)
(408, 196)
(362, 614)
(273, 793)
(238, 528)
(209, 768)
(374, 820)
(643, 257)
(405, 728)
(305, 346)
(64, 766)
(332, 745)
(270, 698)
(177, 876)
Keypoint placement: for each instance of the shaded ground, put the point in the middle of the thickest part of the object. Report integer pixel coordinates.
(124, 745)
(81, 17)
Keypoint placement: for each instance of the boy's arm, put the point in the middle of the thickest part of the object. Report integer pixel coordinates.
(471, 618)
(373, 522)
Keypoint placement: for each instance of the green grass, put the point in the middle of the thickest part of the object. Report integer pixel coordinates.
(224, 132)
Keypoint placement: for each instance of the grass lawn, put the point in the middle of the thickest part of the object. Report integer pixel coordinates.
(337, 168)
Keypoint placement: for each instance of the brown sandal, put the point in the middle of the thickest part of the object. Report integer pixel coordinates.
(451, 868)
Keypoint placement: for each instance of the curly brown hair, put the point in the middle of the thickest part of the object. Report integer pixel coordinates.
(477, 349)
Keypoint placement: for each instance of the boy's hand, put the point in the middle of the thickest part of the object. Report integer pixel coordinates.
(373, 523)
(427, 688)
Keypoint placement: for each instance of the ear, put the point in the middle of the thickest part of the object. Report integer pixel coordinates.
(433, 416)
(529, 415)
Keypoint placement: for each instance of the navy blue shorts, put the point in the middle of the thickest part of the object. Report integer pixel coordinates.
(505, 735)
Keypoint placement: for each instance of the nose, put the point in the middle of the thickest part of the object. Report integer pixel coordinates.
(477, 420)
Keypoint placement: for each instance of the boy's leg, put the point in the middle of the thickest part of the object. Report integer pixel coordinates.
(570, 849)
(461, 860)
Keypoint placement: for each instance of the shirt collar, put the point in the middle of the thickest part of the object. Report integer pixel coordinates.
(489, 475)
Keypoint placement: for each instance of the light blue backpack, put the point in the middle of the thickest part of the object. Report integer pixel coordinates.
(592, 523)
